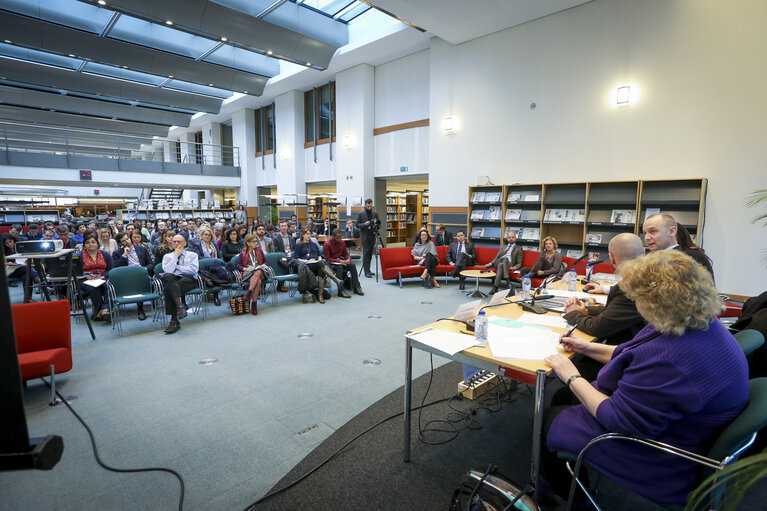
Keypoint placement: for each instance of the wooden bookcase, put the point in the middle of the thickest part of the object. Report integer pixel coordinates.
(150, 215)
(404, 216)
(319, 207)
(583, 217)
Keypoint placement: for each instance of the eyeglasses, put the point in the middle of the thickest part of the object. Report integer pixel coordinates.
(177, 241)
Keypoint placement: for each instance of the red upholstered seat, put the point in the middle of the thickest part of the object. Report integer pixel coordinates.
(396, 261)
(43, 337)
(603, 268)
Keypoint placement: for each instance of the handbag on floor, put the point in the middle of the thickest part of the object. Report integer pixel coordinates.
(239, 305)
(488, 490)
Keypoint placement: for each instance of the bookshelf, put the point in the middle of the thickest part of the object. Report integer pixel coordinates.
(150, 215)
(318, 207)
(583, 217)
(425, 217)
(396, 217)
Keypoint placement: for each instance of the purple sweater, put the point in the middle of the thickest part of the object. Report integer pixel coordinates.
(682, 390)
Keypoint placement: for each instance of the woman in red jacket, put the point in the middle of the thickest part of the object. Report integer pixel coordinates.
(251, 258)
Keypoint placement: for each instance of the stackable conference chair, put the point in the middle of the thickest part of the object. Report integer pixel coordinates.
(736, 438)
(280, 276)
(749, 340)
(196, 295)
(43, 340)
(129, 285)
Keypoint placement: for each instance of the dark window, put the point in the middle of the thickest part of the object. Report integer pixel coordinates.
(265, 130)
(320, 114)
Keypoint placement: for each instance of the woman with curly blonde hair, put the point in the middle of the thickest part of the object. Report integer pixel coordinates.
(680, 381)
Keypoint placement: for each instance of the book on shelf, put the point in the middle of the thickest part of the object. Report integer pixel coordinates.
(623, 216)
(493, 197)
(531, 233)
(477, 232)
(478, 214)
(514, 197)
(494, 213)
(574, 252)
(515, 230)
(529, 214)
(555, 215)
(594, 256)
(532, 198)
(575, 215)
(593, 239)
(477, 196)
(513, 214)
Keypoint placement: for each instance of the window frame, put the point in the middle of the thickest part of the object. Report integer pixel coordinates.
(315, 94)
(261, 118)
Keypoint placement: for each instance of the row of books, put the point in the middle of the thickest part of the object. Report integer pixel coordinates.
(525, 233)
(522, 214)
(493, 213)
(515, 197)
(485, 197)
(486, 232)
(564, 215)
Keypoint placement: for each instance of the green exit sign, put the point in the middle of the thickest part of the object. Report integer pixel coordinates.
(403, 169)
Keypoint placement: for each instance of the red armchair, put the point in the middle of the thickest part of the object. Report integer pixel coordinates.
(43, 340)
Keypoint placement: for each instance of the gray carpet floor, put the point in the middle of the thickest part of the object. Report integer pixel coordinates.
(232, 429)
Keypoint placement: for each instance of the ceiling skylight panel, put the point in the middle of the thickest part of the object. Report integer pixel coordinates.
(70, 13)
(39, 57)
(160, 37)
(244, 60)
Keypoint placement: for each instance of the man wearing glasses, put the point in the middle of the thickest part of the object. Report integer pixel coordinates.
(179, 276)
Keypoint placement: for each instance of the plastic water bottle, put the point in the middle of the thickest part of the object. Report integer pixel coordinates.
(527, 284)
(572, 279)
(480, 327)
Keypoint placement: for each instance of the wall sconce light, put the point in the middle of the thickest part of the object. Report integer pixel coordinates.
(284, 152)
(450, 124)
(349, 142)
(623, 95)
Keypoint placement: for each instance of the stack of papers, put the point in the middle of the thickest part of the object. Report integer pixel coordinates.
(448, 342)
(602, 299)
(508, 338)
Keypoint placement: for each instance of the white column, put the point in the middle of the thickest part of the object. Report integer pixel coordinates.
(289, 137)
(243, 127)
(211, 140)
(187, 147)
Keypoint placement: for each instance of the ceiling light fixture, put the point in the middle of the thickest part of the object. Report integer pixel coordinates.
(168, 22)
(7, 41)
(308, 64)
(101, 2)
(72, 55)
(224, 39)
(268, 52)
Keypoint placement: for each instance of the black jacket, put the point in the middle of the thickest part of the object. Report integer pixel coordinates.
(144, 258)
(618, 321)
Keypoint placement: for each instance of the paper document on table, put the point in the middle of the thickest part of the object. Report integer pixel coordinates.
(543, 320)
(602, 299)
(449, 342)
(498, 298)
(467, 310)
(94, 282)
(508, 338)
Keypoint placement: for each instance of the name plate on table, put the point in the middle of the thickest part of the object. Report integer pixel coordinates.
(39, 246)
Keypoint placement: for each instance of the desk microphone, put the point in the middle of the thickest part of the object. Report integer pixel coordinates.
(531, 307)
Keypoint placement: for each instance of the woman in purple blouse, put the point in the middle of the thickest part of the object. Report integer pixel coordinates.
(681, 380)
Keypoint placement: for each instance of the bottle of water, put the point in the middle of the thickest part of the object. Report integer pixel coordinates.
(572, 279)
(480, 327)
(526, 286)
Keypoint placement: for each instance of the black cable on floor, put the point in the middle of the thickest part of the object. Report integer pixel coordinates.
(452, 429)
(310, 472)
(120, 470)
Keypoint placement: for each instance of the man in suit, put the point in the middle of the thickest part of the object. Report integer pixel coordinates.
(368, 224)
(132, 255)
(264, 242)
(507, 259)
(283, 241)
(660, 234)
(442, 238)
(617, 321)
(294, 219)
(461, 254)
(351, 231)
(326, 229)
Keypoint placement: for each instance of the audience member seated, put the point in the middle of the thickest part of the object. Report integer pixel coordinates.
(618, 320)
(294, 219)
(205, 246)
(78, 236)
(231, 245)
(461, 255)
(138, 239)
(660, 234)
(442, 238)
(688, 246)
(508, 259)
(32, 234)
(130, 254)
(106, 242)
(249, 263)
(312, 269)
(351, 231)
(159, 227)
(165, 246)
(16, 230)
(49, 234)
(264, 242)
(283, 241)
(425, 254)
(96, 265)
(293, 230)
(337, 255)
(309, 225)
(194, 233)
(179, 276)
(326, 229)
(17, 271)
(63, 232)
(548, 263)
(424, 228)
(680, 381)
(242, 231)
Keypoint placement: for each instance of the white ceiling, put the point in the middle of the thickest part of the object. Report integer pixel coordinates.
(458, 21)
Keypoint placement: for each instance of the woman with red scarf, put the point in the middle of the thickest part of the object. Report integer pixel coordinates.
(96, 265)
(250, 259)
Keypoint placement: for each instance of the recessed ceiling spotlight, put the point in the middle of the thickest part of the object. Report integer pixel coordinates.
(125, 67)
(170, 76)
(244, 92)
(308, 64)
(268, 52)
(210, 85)
(101, 2)
(7, 41)
(168, 22)
(224, 39)
(72, 55)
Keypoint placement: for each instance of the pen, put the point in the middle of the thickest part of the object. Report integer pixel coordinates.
(569, 331)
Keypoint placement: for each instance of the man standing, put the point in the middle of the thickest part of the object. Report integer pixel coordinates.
(132, 255)
(461, 254)
(336, 253)
(351, 231)
(442, 238)
(660, 234)
(509, 258)
(241, 216)
(368, 224)
(264, 242)
(180, 276)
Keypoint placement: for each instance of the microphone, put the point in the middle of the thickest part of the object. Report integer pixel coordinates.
(594, 263)
(531, 307)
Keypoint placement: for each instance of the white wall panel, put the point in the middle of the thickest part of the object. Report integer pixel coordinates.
(404, 148)
(402, 90)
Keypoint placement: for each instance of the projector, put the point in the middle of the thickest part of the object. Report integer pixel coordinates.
(39, 246)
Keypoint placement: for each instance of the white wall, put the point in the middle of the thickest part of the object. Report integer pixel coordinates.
(701, 111)
(355, 93)
(325, 168)
(404, 148)
(402, 90)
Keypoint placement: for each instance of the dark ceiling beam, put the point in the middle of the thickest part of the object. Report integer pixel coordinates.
(29, 115)
(17, 96)
(52, 38)
(209, 19)
(57, 78)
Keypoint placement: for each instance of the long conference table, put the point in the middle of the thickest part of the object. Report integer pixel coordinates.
(532, 372)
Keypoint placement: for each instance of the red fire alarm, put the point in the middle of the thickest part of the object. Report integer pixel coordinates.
(95, 192)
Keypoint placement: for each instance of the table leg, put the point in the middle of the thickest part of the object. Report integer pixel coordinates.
(477, 293)
(28, 282)
(43, 280)
(535, 463)
(79, 297)
(408, 397)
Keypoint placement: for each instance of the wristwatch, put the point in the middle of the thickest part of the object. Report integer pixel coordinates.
(572, 379)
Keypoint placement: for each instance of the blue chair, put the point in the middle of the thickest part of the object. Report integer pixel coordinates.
(749, 340)
(279, 276)
(197, 294)
(127, 285)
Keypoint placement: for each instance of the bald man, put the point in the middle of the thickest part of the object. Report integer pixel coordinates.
(660, 234)
(619, 320)
(179, 276)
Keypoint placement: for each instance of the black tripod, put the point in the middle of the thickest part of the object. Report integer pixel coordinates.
(377, 244)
